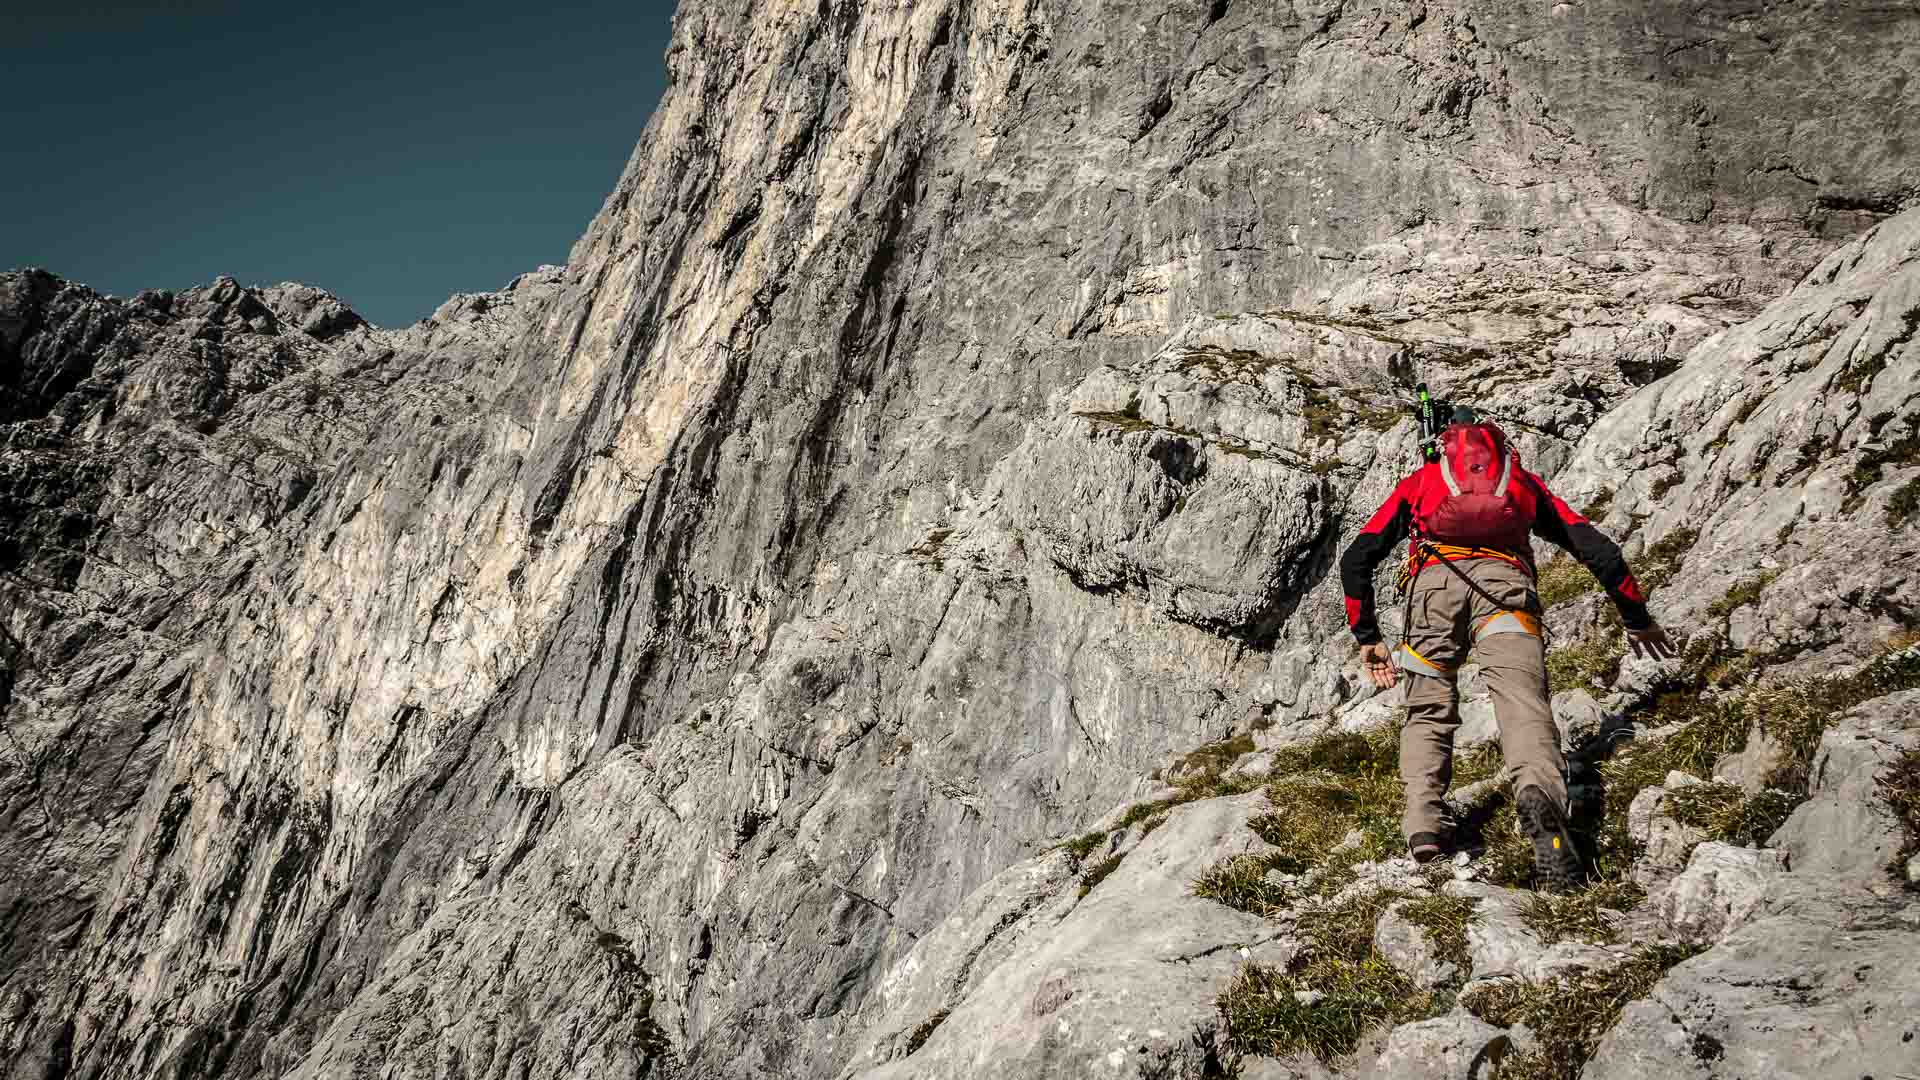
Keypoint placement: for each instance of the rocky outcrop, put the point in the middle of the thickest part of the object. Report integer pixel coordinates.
(690, 658)
(1823, 985)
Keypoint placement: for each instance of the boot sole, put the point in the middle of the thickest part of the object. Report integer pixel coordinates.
(1555, 860)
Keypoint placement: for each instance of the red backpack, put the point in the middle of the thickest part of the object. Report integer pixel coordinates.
(1483, 506)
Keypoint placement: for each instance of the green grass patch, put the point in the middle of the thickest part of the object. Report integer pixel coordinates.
(1082, 846)
(1313, 816)
(1899, 784)
(1581, 915)
(1199, 774)
(1728, 814)
(1597, 509)
(1337, 989)
(1476, 764)
(1212, 759)
(1713, 723)
(1586, 665)
(1904, 503)
(1346, 753)
(1241, 883)
(1091, 880)
(1327, 791)
(1569, 1017)
(1141, 811)
(1741, 594)
(1662, 559)
(1797, 713)
(1873, 464)
(1665, 484)
(1126, 422)
(1444, 919)
(1563, 579)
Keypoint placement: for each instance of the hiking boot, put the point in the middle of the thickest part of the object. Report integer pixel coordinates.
(1556, 865)
(1425, 846)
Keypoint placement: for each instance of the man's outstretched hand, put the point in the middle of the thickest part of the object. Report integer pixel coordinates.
(1378, 665)
(1652, 642)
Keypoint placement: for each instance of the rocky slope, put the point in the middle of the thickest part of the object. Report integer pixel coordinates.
(692, 660)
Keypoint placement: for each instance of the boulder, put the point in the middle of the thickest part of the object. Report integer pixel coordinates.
(1500, 944)
(1296, 1067)
(1846, 828)
(1122, 980)
(1720, 891)
(1457, 1046)
(1407, 947)
(1665, 841)
(1822, 984)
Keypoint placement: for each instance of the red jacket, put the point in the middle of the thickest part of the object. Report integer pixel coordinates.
(1411, 505)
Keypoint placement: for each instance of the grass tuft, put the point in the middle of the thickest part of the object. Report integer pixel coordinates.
(1212, 759)
(1336, 990)
(1569, 1017)
(1562, 579)
(1711, 724)
(1726, 813)
(1200, 774)
(1662, 559)
(1741, 594)
(1471, 766)
(1582, 915)
(1798, 713)
(1082, 846)
(1597, 509)
(1241, 882)
(1583, 666)
(1904, 503)
(925, 1031)
(1444, 919)
(1093, 877)
(1900, 786)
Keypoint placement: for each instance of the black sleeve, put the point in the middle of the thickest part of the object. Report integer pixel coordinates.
(1559, 524)
(1386, 529)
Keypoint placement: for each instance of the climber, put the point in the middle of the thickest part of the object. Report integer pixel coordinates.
(1469, 512)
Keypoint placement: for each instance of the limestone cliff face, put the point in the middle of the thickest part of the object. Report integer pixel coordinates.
(947, 422)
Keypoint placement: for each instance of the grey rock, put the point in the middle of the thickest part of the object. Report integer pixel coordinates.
(1579, 716)
(1500, 944)
(1123, 980)
(1477, 722)
(1407, 947)
(1255, 766)
(1750, 767)
(1720, 891)
(1457, 1046)
(632, 668)
(1822, 984)
(1297, 1067)
(1665, 841)
(1846, 828)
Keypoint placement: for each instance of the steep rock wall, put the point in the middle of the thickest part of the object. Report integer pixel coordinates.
(653, 654)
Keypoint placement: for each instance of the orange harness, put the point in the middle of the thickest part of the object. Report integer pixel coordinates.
(1505, 621)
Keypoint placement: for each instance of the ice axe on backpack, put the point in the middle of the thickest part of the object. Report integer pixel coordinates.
(1435, 417)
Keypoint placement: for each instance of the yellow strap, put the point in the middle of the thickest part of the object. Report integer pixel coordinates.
(1410, 660)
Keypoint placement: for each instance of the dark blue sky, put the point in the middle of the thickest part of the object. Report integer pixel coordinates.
(392, 157)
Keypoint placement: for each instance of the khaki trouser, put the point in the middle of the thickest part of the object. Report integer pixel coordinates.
(1447, 622)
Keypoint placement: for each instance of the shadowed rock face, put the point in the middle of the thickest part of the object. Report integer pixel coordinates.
(950, 417)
